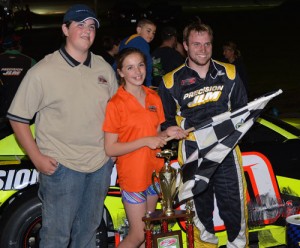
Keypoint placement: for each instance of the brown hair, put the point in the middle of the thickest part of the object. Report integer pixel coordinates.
(122, 55)
(144, 22)
(196, 26)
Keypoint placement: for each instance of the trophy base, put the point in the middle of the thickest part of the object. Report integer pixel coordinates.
(169, 212)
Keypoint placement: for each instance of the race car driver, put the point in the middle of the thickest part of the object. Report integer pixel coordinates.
(200, 89)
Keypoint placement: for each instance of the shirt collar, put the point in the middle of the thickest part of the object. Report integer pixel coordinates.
(125, 94)
(212, 70)
(71, 61)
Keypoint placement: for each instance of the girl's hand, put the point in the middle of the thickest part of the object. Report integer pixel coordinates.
(155, 142)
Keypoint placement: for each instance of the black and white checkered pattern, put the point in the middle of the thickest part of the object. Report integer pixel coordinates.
(216, 137)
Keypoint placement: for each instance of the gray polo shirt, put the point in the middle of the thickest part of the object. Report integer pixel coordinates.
(69, 100)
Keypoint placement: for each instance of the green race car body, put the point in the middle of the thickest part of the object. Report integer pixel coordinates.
(271, 162)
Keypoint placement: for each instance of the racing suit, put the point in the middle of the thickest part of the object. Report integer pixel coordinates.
(188, 100)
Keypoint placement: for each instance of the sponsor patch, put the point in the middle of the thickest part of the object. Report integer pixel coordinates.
(152, 108)
(188, 81)
(102, 80)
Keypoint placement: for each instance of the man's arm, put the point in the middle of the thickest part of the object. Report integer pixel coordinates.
(169, 107)
(43, 163)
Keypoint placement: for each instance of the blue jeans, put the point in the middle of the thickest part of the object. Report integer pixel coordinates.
(72, 206)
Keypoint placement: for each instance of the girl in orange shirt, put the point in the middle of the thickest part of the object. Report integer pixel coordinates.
(133, 135)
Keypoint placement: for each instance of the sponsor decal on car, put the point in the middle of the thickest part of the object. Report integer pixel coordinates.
(16, 179)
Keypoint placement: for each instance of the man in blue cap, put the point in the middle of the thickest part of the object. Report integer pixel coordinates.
(68, 91)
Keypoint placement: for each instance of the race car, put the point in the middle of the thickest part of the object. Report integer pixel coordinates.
(271, 162)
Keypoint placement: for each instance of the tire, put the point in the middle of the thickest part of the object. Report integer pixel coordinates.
(23, 222)
(101, 237)
(22, 225)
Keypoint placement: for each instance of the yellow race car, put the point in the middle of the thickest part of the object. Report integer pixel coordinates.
(271, 161)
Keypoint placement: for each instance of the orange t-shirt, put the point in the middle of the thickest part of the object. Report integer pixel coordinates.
(126, 117)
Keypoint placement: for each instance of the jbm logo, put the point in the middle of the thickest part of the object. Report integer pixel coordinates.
(204, 95)
(11, 71)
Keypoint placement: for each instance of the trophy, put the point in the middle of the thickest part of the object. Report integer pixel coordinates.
(168, 179)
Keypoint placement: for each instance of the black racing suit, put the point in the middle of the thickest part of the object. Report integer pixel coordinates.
(188, 100)
(13, 67)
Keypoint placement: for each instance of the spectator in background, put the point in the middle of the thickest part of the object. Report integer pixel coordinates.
(233, 56)
(145, 32)
(179, 48)
(27, 18)
(13, 67)
(166, 58)
(109, 48)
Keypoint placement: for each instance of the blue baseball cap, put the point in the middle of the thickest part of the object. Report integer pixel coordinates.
(80, 13)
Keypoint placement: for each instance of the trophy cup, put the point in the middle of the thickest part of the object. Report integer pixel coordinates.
(168, 179)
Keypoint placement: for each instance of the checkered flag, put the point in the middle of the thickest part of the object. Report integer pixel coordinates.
(216, 137)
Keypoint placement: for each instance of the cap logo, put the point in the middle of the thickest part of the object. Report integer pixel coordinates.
(82, 10)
